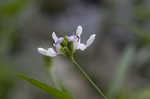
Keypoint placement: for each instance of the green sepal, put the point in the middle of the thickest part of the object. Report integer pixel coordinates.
(71, 48)
(67, 47)
(65, 42)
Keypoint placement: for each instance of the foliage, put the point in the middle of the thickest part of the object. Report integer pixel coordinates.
(47, 88)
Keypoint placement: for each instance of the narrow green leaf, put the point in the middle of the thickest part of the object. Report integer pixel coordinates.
(122, 69)
(47, 88)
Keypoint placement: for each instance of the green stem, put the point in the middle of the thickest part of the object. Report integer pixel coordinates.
(87, 77)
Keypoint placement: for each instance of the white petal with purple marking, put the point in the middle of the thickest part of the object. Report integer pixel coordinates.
(42, 51)
(79, 30)
(55, 38)
(90, 40)
(82, 47)
(73, 38)
(51, 52)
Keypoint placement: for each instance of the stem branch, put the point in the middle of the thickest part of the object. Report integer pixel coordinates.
(87, 77)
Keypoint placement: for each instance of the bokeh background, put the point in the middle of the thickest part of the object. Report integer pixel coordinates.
(118, 61)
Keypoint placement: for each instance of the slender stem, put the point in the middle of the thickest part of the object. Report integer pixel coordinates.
(87, 77)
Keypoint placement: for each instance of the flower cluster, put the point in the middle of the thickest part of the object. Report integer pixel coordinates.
(68, 44)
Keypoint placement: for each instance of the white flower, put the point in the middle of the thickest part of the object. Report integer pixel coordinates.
(76, 39)
(52, 51)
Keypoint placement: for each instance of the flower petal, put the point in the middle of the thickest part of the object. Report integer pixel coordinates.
(42, 51)
(82, 46)
(76, 45)
(72, 38)
(51, 52)
(90, 40)
(55, 38)
(79, 30)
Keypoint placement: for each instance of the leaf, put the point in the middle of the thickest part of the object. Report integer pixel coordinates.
(47, 88)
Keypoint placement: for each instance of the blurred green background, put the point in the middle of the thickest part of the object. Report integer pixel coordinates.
(118, 61)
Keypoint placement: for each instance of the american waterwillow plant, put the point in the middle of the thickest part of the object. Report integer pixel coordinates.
(66, 46)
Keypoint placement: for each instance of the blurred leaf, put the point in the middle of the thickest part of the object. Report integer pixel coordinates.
(6, 39)
(8, 26)
(12, 7)
(121, 71)
(145, 39)
(142, 14)
(143, 94)
(7, 80)
(142, 35)
(47, 88)
(125, 95)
